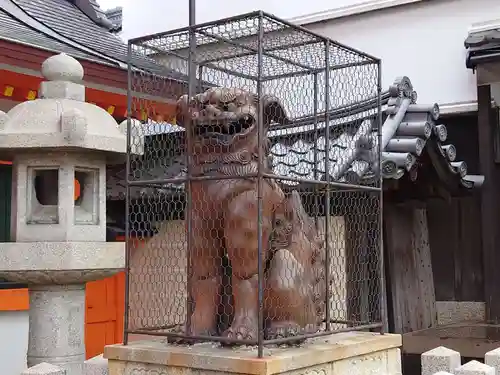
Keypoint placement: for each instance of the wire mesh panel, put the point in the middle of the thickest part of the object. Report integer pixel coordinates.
(254, 207)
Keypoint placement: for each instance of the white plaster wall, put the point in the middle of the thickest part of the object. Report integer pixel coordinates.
(14, 326)
(424, 41)
(136, 12)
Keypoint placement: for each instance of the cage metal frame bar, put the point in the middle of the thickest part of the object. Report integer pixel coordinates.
(192, 83)
(382, 280)
(260, 182)
(248, 15)
(327, 116)
(271, 49)
(259, 51)
(210, 63)
(198, 28)
(127, 200)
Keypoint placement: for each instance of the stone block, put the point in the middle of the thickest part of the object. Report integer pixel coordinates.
(443, 373)
(474, 368)
(394, 366)
(44, 369)
(44, 263)
(492, 358)
(371, 363)
(62, 90)
(96, 366)
(351, 353)
(458, 311)
(439, 359)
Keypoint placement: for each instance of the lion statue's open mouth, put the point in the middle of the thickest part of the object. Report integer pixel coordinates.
(211, 128)
(223, 132)
(226, 114)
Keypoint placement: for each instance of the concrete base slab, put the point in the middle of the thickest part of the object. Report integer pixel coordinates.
(471, 339)
(352, 353)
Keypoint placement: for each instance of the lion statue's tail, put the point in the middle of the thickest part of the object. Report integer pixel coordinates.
(319, 273)
(314, 244)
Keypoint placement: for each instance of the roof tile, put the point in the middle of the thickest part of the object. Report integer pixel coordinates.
(67, 20)
(15, 30)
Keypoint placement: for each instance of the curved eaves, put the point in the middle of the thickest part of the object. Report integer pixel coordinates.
(451, 175)
(417, 132)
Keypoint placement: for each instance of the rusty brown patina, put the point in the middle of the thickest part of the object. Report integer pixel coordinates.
(224, 127)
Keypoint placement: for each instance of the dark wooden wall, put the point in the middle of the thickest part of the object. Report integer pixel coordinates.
(409, 269)
(455, 226)
(433, 247)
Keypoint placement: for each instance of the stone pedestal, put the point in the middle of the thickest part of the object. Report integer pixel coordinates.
(57, 322)
(352, 353)
(57, 273)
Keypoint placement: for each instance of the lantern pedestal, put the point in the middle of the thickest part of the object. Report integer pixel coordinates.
(56, 273)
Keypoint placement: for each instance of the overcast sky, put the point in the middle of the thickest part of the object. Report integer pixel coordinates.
(142, 17)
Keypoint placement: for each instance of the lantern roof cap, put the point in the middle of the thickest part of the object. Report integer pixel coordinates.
(60, 118)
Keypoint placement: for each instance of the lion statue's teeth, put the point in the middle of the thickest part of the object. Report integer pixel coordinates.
(227, 96)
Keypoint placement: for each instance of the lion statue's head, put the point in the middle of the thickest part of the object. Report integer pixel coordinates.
(221, 115)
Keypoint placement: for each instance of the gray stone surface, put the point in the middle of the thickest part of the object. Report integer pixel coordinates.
(394, 362)
(57, 326)
(350, 353)
(458, 311)
(492, 358)
(62, 219)
(3, 119)
(474, 368)
(60, 262)
(62, 67)
(61, 118)
(60, 89)
(96, 366)
(439, 359)
(44, 368)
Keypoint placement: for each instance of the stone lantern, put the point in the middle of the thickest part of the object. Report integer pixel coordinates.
(59, 146)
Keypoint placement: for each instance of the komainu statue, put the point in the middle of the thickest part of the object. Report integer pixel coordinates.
(224, 129)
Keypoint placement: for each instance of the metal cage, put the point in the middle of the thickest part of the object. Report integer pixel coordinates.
(318, 149)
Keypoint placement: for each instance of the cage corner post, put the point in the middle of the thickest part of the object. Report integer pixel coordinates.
(192, 84)
(381, 254)
(126, 318)
(260, 177)
(328, 315)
